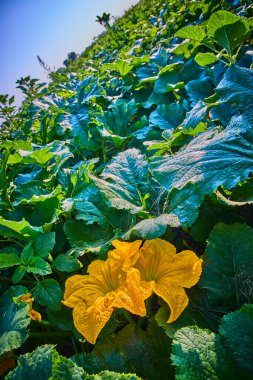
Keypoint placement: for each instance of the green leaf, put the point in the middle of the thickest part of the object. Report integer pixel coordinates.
(8, 260)
(39, 266)
(27, 254)
(167, 116)
(134, 350)
(168, 82)
(119, 122)
(49, 293)
(18, 274)
(23, 227)
(237, 329)
(67, 263)
(78, 233)
(229, 30)
(210, 160)
(65, 369)
(125, 181)
(236, 87)
(184, 204)
(45, 363)
(108, 375)
(199, 354)
(153, 228)
(123, 67)
(63, 318)
(194, 33)
(44, 244)
(199, 89)
(204, 59)
(14, 319)
(227, 267)
(194, 116)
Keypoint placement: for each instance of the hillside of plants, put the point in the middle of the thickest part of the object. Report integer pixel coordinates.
(126, 223)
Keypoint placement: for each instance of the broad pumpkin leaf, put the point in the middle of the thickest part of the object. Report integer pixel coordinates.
(129, 351)
(154, 227)
(45, 363)
(210, 160)
(118, 122)
(237, 330)
(23, 228)
(204, 59)
(14, 317)
(228, 29)
(199, 354)
(125, 181)
(227, 267)
(236, 87)
(108, 375)
(167, 116)
(194, 33)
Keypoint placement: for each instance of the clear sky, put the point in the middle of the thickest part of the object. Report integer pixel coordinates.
(50, 29)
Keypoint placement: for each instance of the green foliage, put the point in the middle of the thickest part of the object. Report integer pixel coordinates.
(45, 363)
(14, 317)
(146, 134)
(48, 293)
(227, 272)
(199, 354)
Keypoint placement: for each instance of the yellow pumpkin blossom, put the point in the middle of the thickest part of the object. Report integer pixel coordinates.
(167, 273)
(125, 252)
(107, 286)
(27, 298)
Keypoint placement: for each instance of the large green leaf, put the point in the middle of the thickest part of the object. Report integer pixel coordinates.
(210, 160)
(198, 354)
(167, 116)
(236, 87)
(237, 329)
(125, 181)
(228, 268)
(23, 227)
(45, 363)
(228, 29)
(119, 122)
(14, 319)
(132, 350)
(108, 375)
(201, 354)
(194, 33)
(153, 228)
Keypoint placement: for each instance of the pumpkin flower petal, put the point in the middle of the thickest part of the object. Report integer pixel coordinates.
(126, 253)
(132, 299)
(187, 268)
(72, 284)
(168, 273)
(94, 297)
(89, 322)
(174, 296)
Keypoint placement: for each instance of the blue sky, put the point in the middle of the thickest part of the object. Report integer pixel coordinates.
(50, 29)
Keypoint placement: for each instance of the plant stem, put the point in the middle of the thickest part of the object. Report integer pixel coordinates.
(128, 317)
(7, 279)
(51, 334)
